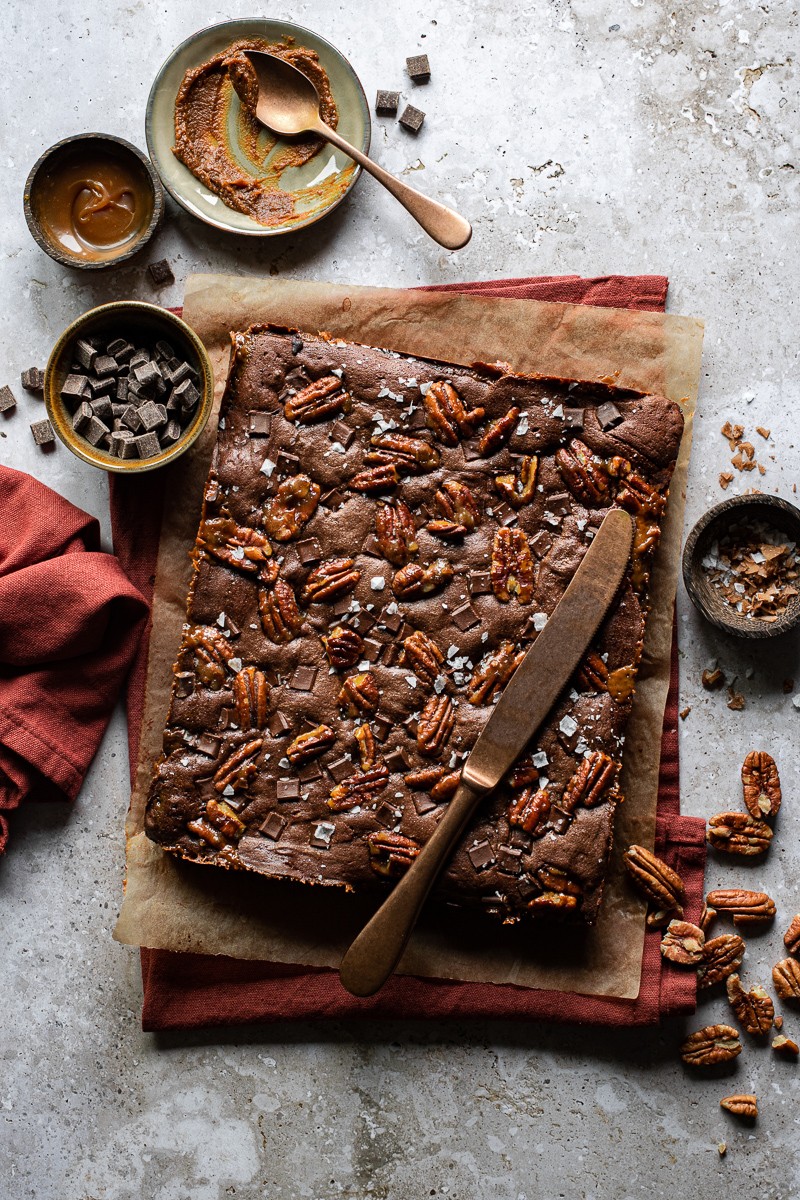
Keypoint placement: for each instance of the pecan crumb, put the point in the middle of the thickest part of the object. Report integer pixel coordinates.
(712, 680)
(685, 712)
(722, 1149)
(725, 479)
(765, 433)
(736, 700)
(733, 434)
(785, 1047)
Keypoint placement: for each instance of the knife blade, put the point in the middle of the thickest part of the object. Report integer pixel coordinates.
(523, 706)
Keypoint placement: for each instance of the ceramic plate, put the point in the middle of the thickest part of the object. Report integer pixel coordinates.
(328, 164)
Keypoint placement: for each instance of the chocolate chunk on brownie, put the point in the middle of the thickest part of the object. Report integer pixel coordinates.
(368, 572)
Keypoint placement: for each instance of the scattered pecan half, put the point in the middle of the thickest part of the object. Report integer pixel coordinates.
(791, 939)
(343, 646)
(519, 488)
(721, 957)
(359, 694)
(662, 886)
(330, 580)
(413, 581)
(754, 1009)
(683, 943)
(786, 977)
(435, 725)
(738, 833)
(593, 673)
(292, 507)
(511, 569)
(707, 917)
(494, 672)
(321, 399)
(761, 784)
(585, 476)
(238, 766)
(741, 1106)
(211, 651)
(423, 656)
(281, 619)
(408, 455)
(459, 509)
(310, 745)
(391, 853)
(711, 1045)
(375, 480)
(529, 809)
(235, 545)
(365, 740)
(359, 789)
(590, 783)
(746, 908)
(250, 692)
(785, 1046)
(498, 433)
(447, 414)
(396, 532)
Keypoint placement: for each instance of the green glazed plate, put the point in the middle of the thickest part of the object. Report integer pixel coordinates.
(194, 196)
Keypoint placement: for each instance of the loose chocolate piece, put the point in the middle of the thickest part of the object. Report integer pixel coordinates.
(122, 390)
(387, 102)
(104, 364)
(278, 725)
(119, 441)
(287, 789)
(541, 542)
(43, 433)
(75, 387)
(132, 419)
(177, 374)
(163, 350)
(186, 394)
(147, 444)
(480, 855)
(465, 617)
(101, 407)
(95, 431)
(127, 447)
(363, 622)
(152, 416)
(184, 684)
(372, 650)
(303, 679)
(340, 769)
(308, 551)
(161, 272)
(85, 353)
(82, 417)
(170, 434)
(480, 583)
(117, 347)
(297, 345)
(418, 67)
(573, 418)
(273, 826)
(411, 118)
(259, 423)
(138, 357)
(608, 415)
(210, 745)
(101, 385)
(33, 380)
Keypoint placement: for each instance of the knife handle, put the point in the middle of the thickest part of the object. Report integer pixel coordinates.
(376, 951)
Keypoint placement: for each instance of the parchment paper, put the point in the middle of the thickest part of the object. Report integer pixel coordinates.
(183, 907)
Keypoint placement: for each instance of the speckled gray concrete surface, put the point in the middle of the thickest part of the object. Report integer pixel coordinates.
(589, 136)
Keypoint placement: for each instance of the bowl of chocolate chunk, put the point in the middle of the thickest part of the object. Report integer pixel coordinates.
(128, 387)
(92, 201)
(741, 566)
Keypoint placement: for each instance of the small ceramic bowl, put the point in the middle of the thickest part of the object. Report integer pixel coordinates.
(85, 147)
(137, 322)
(770, 510)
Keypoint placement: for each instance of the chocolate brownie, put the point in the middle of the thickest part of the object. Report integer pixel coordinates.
(382, 538)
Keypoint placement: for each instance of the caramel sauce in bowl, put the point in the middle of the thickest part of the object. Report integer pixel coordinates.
(92, 201)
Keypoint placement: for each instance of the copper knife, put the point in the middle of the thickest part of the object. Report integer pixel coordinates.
(531, 693)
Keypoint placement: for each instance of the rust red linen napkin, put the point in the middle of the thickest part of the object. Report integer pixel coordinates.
(70, 623)
(189, 991)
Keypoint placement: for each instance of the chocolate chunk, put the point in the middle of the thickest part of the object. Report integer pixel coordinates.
(339, 769)
(559, 820)
(465, 617)
(147, 445)
(95, 431)
(278, 725)
(372, 650)
(127, 447)
(177, 374)
(186, 395)
(121, 439)
(7, 399)
(122, 390)
(208, 744)
(342, 606)
(287, 464)
(527, 888)
(560, 504)
(471, 452)
(503, 513)
(387, 102)
(163, 350)
(184, 684)
(259, 424)
(387, 815)
(363, 622)
(392, 620)
(101, 407)
(82, 417)
(509, 860)
(573, 418)
(372, 547)
(121, 352)
(132, 419)
(33, 380)
(608, 415)
(152, 416)
(43, 432)
(381, 727)
(139, 357)
(297, 345)
(521, 840)
(102, 386)
(273, 826)
(480, 583)
(171, 433)
(321, 837)
(418, 67)
(423, 803)
(411, 118)
(342, 433)
(540, 543)
(104, 364)
(310, 773)
(85, 353)
(391, 654)
(146, 374)
(396, 760)
(332, 499)
(308, 551)
(303, 679)
(161, 272)
(288, 789)
(75, 387)
(480, 855)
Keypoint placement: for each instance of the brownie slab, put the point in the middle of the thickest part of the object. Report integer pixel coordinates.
(382, 538)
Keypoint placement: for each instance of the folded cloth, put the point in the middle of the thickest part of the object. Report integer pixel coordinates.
(185, 991)
(70, 624)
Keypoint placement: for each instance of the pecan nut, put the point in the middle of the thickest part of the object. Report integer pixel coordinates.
(414, 581)
(556, 879)
(435, 726)
(711, 1045)
(365, 740)
(343, 646)
(553, 902)
(280, 617)
(721, 957)
(238, 766)
(786, 977)
(235, 545)
(330, 580)
(637, 496)
(359, 789)
(590, 783)
(583, 473)
(318, 401)
(250, 692)
(593, 673)
(207, 832)
(359, 694)
(741, 1106)
(791, 939)
(459, 509)
(683, 943)
(423, 656)
(310, 745)
(519, 488)
(408, 455)
(375, 480)
(424, 778)
(738, 833)
(511, 570)
(211, 652)
(447, 414)
(494, 672)
(657, 881)
(292, 507)
(391, 853)
(529, 809)
(746, 908)
(498, 433)
(707, 916)
(445, 787)
(223, 818)
(785, 1046)
(396, 532)
(754, 1009)
(761, 784)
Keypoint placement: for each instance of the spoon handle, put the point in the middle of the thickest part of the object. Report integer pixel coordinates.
(443, 224)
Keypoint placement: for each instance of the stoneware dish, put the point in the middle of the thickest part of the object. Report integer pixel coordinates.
(87, 145)
(331, 166)
(135, 321)
(770, 510)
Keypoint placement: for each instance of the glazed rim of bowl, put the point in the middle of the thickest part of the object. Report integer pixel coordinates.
(295, 31)
(773, 510)
(162, 323)
(63, 149)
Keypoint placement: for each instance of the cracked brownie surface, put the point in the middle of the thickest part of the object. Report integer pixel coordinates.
(382, 538)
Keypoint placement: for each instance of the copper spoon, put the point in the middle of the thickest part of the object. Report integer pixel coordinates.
(288, 103)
